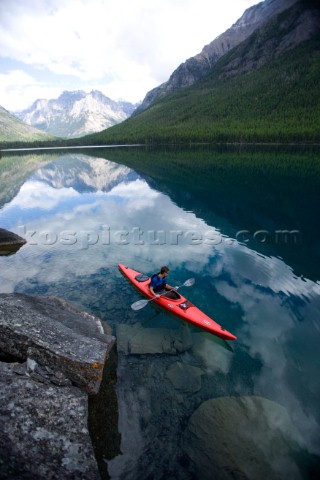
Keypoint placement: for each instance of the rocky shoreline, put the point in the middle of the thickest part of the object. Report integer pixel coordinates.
(52, 356)
(10, 242)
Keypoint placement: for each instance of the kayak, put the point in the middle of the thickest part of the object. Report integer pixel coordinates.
(180, 306)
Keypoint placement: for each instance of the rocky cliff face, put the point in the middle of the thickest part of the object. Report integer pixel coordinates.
(196, 67)
(76, 113)
(270, 41)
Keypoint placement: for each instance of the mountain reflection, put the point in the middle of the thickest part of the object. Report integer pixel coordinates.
(84, 174)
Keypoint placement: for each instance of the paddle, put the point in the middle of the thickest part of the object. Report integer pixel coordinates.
(142, 303)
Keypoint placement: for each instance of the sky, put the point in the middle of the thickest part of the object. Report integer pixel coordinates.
(123, 48)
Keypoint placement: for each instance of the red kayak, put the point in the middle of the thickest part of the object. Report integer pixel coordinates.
(179, 306)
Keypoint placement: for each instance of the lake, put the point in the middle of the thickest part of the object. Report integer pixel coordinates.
(244, 223)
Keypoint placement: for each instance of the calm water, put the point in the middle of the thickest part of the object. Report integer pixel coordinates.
(190, 406)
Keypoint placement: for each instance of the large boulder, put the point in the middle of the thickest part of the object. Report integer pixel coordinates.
(56, 335)
(243, 438)
(43, 430)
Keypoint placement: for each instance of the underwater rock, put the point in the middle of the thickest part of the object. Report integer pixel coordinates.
(242, 437)
(211, 352)
(137, 340)
(185, 378)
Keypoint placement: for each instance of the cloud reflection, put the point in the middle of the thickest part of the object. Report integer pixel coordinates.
(38, 195)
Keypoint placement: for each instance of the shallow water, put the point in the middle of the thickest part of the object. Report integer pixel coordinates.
(83, 214)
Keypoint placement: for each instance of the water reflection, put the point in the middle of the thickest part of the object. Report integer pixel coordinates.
(82, 215)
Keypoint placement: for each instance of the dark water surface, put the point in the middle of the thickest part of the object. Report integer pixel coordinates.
(245, 224)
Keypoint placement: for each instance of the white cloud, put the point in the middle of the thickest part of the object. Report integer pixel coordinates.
(18, 90)
(125, 47)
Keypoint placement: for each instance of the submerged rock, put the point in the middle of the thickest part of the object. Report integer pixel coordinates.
(44, 432)
(185, 378)
(56, 335)
(136, 340)
(10, 242)
(205, 350)
(242, 437)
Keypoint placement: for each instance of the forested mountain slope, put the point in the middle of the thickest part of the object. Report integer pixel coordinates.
(265, 89)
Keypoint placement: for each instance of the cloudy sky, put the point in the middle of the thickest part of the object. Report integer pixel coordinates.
(123, 48)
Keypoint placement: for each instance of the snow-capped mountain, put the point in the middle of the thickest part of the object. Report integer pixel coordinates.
(75, 114)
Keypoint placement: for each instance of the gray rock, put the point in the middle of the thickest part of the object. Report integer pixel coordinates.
(43, 430)
(185, 378)
(9, 242)
(20, 368)
(56, 335)
(242, 437)
(45, 375)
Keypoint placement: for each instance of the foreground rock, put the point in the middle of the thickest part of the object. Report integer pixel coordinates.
(43, 415)
(9, 242)
(43, 429)
(55, 335)
(242, 437)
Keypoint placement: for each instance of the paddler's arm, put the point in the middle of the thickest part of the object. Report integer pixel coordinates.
(153, 292)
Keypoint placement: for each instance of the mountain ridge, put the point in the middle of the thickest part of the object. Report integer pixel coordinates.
(196, 67)
(13, 129)
(281, 34)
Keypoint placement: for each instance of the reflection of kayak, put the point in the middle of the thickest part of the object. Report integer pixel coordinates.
(180, 306)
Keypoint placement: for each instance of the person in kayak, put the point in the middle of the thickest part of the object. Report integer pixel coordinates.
(158, 284)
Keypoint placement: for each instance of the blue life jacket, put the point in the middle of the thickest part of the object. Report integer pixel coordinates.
(157, 283)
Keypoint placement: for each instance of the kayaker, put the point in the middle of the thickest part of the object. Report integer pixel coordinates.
(158, 284)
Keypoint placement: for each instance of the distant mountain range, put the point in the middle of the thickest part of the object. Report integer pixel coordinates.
(257, 82)
(75, 113)
(12, 129)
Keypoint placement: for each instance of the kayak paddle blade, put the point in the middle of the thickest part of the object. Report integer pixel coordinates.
(139, 304)
(189, 282)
